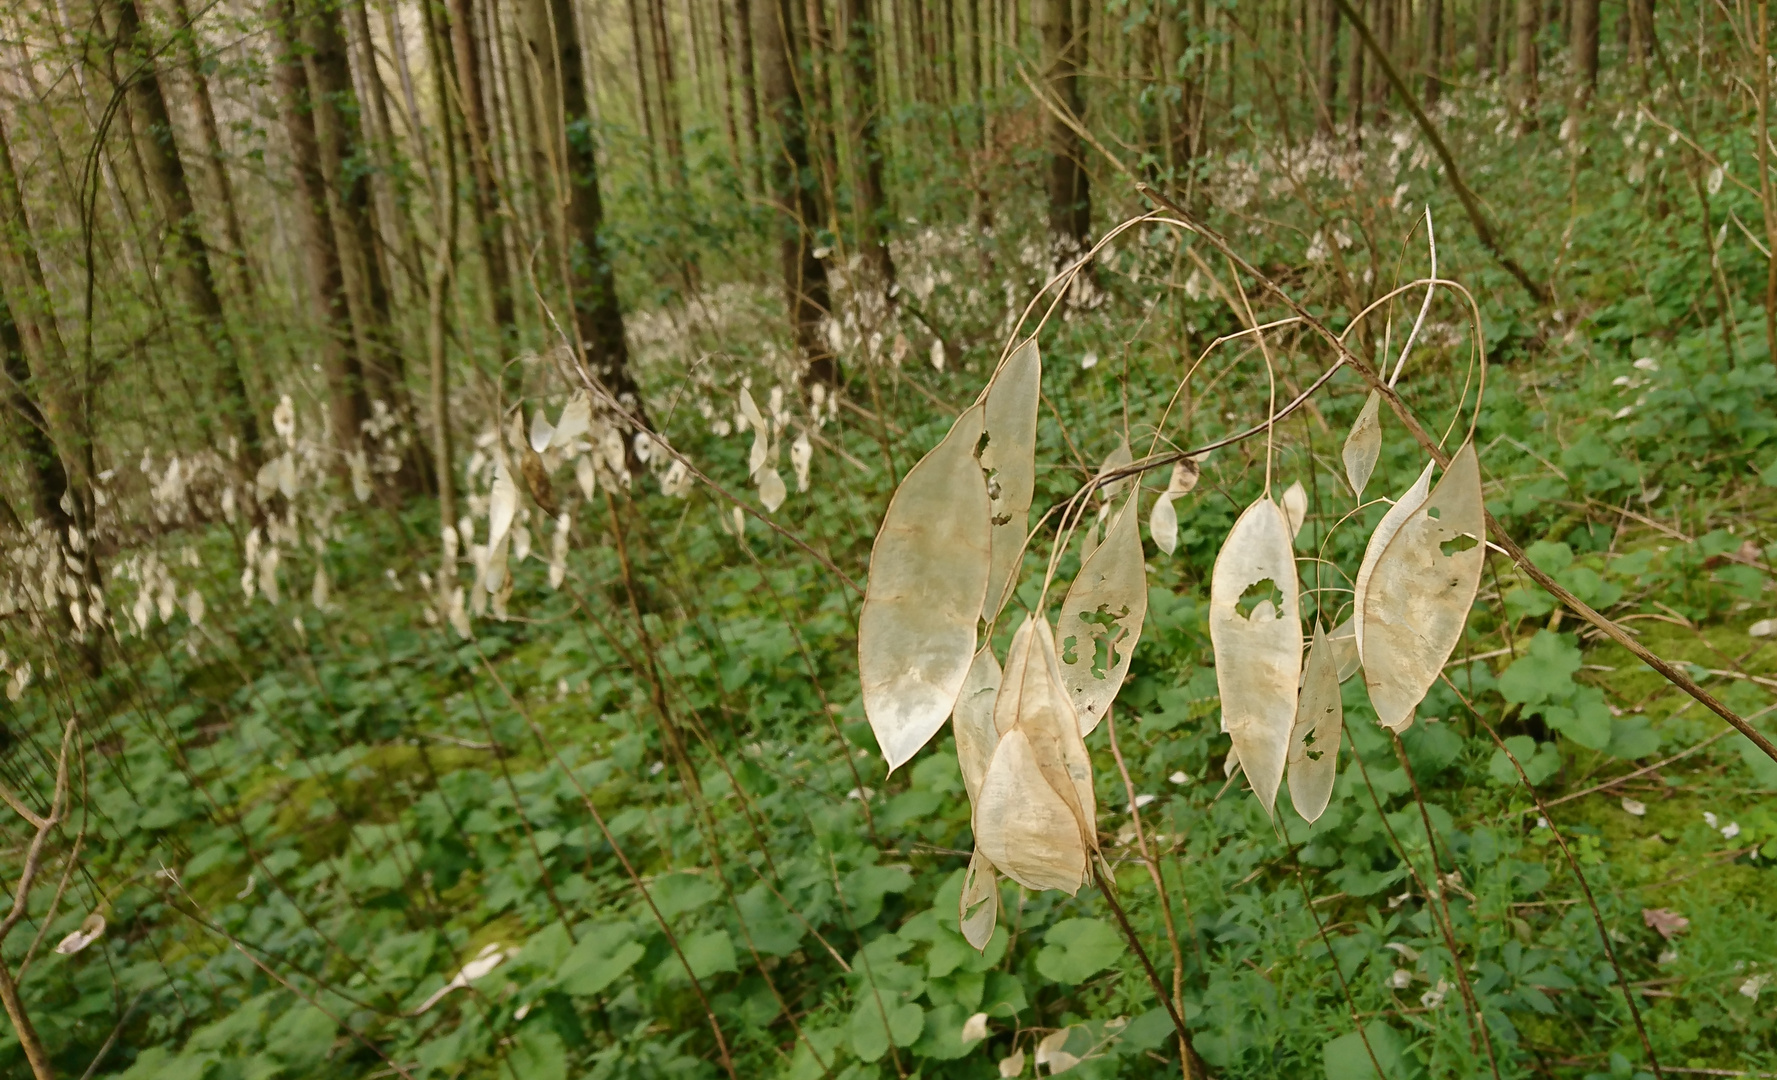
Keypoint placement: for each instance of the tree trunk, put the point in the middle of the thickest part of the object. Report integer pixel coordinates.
(1328, 64)
(1434, 50)
(860, 57)
(343, 162)
(1524, 62)
(749, 91)
(555, 52)
(1354, 83)
(822, 126)
(1486, 34)
(805, 276)
(488, 226)
(164, 175)
(1070, 195)
(639, 54)
(214, 159)
(667, 83)
(347, 402)
(1585, 47)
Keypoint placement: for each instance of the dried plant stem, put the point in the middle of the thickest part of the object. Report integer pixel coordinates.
(1495, 532)
(1357, 1021)
(1579, 875)
(1153, 866)
(1471, 1013)
(1192, 1064)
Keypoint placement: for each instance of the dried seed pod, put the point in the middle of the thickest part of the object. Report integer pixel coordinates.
(1023, 826)
(1163, 519)
(972, 722)
(1295, 509)
(1421, 591)
(1363, 447)
(1010, 459)
(978, 908)
(575, 421)
(1320, 721)
(761, 432)
(1101, 619)
(1343, 639)
(771, 490)
(928, 579)
(1411, 500)
(1256, 631)
(1034, 700)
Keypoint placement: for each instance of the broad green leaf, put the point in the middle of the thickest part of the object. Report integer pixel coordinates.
(1074, 950)
(880, 1018)
(537, 1053)
(1010, 461)
(1101, 619)
(708, 953)
(602, 956)
(1420, 591)
(1258, 643)
(1538, 760)
(1544, 670)
(928, 578)
(675, 894)
(1347, 1057)
(867, 885)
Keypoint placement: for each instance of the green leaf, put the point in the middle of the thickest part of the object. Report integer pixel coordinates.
(1550, 556)
(708, 954)
(597, 961)
(1587, 722)
(1539, 761)
(942, 1039)
(301, 1037)
(870, 1036)
(1545, 670)
(1347, 1058)
(1634, 737)
(538, 1054)
(772, 930)
(867, 885)
(1003, 995)
(1147, 1031)
(1076, 949)
(675, 894)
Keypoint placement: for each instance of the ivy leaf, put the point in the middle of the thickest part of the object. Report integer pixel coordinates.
(1545, 670)
(1076, 949)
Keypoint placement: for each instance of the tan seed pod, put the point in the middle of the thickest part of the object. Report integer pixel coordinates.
(1023, 826)
(1421, 591)
(1295, 509)
(1116, 460)
(1363, 447)
(1343, 639)
(1010, 459)
(1258, 653)
(1411, 500)
(771, 490)
(1005, 706)
(1163, 524)
(928, 579)
(1320, 721)
(1033, 699)
(972, 722)
(1105, 605)
(978, 908)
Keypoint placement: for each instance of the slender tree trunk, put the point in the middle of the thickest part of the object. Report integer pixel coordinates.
(488, 225)
(1355, 88)
(394, 199)
(1524, 62)
(725, 56)
(1434, 50)
(639, 52)
(825, 119)
(1070, 195)
(1328, 59)
(30, 430)
(1486, 34)
(1585, 47)
(805, 276)
(667, 82)
(214, 159)
(344, 162)
(860, 58)
(749, 90)
(554, 46)
(348, 403)
(164, 174)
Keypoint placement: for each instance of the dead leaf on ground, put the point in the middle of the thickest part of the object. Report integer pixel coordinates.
(1666, 922)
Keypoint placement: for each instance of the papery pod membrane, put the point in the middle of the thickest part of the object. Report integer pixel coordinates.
(1115, 461)
(1163, 524)
(1088, 542)
(972, 722)
(761, 431)
(1421, 591)
(928, 578)
(1409, 502)
(1363, 447)
(1010, 459)
(1295, 509)
(771, 490)
(1258, 655)
(1105, 607)
(575, 421)
(1033, 700)
(541, 431)
(1023, 826)
(1320, 722)
(1343, 639)
(978, 908)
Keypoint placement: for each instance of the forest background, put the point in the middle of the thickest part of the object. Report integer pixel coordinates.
(443, 444)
